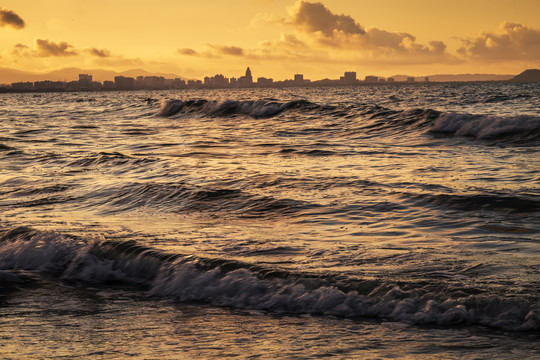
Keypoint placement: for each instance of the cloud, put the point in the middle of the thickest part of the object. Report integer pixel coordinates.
(8, 17)
(213, 51)
(228, 50)
(512, 42)
(188, 52)
(315, 17)
(46, 48)
(318, 26)
(318, 35)
(102, 53)
(21, 50)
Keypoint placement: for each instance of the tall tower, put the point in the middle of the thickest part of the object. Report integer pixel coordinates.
(249, 78)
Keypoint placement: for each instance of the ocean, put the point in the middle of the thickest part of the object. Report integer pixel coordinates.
(367, 222)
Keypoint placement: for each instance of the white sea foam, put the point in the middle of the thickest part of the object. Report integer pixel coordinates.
(484, 126)
(187, 279)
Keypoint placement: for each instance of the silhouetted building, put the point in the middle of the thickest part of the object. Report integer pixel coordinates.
(371, 79)
(216, 81)
(85, 80)
(48, 85)
(124, 83)
(410, 79)
(22, 86)
(247, 80)
(153, 82)
(298, 79)
(426, 79)
(264, 82)
(348, 78)
(108, 85)
(178, 83)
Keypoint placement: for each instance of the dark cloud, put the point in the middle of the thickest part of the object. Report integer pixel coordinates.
(102, 53)
(513, 42)
(228, 50)
(47, 48)
(313, 17)
(189, 52)
(8, 17)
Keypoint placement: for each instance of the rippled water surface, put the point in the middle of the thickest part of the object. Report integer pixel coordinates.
(369, 222)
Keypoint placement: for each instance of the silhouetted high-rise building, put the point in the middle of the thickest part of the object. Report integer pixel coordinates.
(298, 79)
(246, 80)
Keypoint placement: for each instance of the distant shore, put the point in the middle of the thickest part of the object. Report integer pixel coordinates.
(5, 90)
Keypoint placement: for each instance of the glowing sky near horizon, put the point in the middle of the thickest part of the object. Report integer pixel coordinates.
(277, 38)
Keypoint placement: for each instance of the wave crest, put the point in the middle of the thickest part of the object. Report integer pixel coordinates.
(486, 126)
(228, 108)
(224, 282)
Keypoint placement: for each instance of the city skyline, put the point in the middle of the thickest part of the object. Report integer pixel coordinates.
(278, 37)
(86, 82)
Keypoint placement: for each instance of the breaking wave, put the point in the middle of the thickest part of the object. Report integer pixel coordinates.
(256, 109)
(222, 282)
(371, 119)
(487, 127)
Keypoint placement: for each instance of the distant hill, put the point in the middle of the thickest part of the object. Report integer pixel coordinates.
(530, 75)
(470, 77)
(8, 76)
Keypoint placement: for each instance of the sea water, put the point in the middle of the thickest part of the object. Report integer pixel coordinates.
(396, 221)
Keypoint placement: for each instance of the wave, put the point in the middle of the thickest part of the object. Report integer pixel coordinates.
(183, 198)
(112, 159)
(478, 202)
(5, 147)
(487, 126)
(369, 119)
(222, 282)
(228, 108)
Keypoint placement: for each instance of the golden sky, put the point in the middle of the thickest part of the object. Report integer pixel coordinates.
(277, 38)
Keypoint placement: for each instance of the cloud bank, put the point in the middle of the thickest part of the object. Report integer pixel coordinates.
(512, 42)
(10, 18)
(317, 34)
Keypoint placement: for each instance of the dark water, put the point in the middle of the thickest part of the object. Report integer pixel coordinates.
(365, 222)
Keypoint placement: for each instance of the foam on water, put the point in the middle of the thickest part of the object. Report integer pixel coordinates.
(370, 118)
(487, 127)
(404, 205)
(250, 287)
